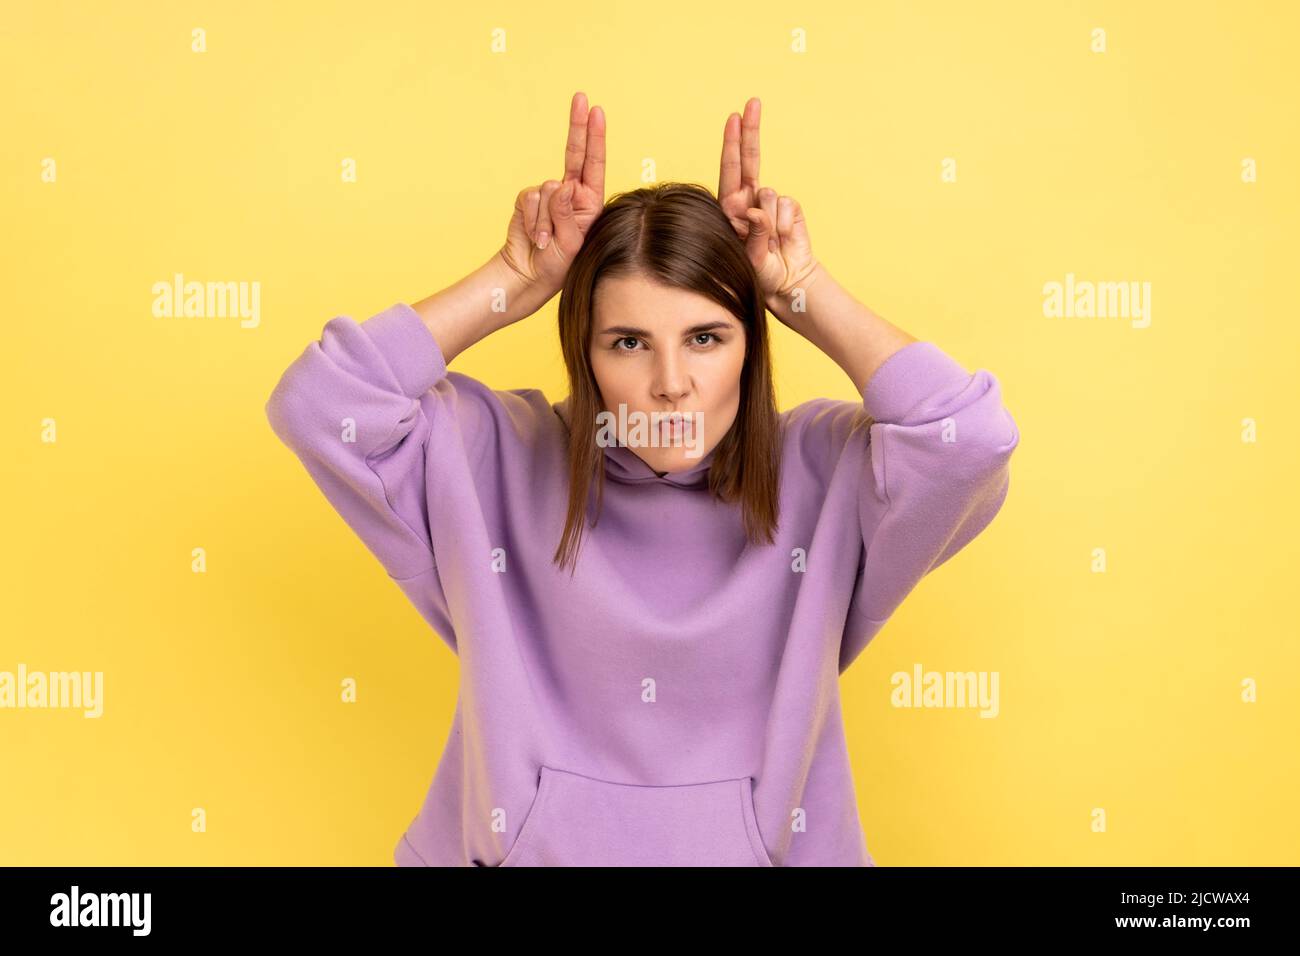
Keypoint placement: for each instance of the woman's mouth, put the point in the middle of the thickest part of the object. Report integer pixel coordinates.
(676, 426)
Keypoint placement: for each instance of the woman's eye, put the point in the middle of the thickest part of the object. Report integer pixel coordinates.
(709, 339)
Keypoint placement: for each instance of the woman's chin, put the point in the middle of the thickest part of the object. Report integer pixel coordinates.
(669, 459)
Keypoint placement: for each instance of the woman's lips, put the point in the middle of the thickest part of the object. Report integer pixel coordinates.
(677, 426)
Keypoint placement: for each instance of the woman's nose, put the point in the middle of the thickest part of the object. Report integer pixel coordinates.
(671, 379)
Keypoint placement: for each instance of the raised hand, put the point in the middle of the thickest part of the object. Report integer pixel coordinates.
(773, 227)
(550, 221)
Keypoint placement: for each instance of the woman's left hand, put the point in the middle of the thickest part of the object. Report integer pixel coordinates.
(772, 226)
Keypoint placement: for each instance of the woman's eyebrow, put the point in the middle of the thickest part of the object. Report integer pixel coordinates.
(622, 330)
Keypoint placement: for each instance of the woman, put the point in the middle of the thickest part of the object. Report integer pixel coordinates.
(649, 632)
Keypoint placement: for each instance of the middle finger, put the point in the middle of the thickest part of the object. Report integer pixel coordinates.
(749, 144)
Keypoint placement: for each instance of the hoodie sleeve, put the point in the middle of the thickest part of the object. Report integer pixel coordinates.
(939, 451)
(349, 406)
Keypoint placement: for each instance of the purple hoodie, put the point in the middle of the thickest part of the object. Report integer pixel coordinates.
(675, 702)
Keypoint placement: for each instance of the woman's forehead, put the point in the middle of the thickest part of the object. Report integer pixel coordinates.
(633, 301)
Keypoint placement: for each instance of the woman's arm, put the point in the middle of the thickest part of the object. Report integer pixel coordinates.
(548, 227)
(799, 290)
(938, 450)
(485, 301)
(349, 406)
(858, 340)
(369, 403)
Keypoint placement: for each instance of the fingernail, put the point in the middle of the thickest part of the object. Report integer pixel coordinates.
(543, 238)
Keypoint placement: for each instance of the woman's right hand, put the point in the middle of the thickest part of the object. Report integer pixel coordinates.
(550, 221)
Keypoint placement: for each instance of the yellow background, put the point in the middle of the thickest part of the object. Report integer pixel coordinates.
(1119, 691)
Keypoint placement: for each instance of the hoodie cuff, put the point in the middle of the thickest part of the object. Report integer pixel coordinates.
(409, 348)
(907, 378)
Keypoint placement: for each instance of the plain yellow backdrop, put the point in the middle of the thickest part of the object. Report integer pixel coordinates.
(1119, 691)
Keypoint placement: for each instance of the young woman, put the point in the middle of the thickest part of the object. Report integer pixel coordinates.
(649, 632)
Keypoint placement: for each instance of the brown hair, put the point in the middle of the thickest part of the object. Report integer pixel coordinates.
(678, 235)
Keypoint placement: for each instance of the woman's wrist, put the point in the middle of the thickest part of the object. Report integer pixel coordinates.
(516, 293)
(488, 299)
(795, 306)
(848, 331)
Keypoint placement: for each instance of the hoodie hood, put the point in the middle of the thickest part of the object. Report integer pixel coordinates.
(625, 465)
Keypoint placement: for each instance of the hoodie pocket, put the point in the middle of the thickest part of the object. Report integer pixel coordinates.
(581, 821)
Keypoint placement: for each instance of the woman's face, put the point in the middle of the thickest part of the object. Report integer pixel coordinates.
(656, 349)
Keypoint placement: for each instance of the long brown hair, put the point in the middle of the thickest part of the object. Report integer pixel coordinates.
(675, 234)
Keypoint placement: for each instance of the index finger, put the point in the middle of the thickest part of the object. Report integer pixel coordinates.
(749, 143)
(593, 167)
